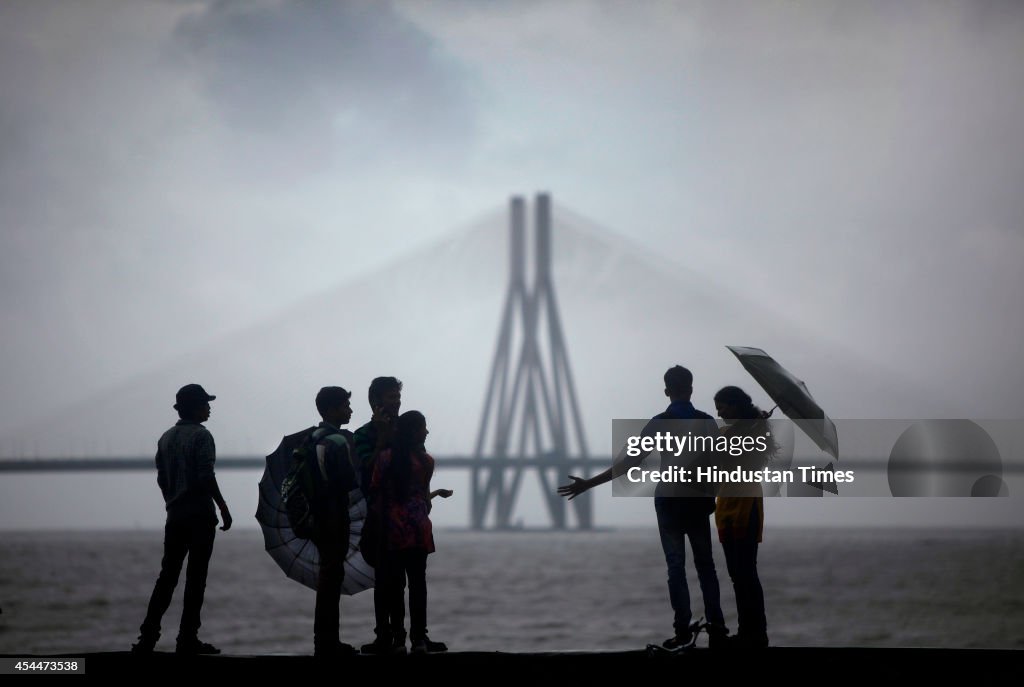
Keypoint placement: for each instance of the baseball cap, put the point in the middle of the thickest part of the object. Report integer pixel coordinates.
(191, 394)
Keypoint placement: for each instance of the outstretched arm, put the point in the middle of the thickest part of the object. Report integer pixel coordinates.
(622, 464)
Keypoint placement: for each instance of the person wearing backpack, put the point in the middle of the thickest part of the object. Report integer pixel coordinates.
(334, 478)
(184, 462)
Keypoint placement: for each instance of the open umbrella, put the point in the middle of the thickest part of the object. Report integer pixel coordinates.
(299, 558)
(791, 395)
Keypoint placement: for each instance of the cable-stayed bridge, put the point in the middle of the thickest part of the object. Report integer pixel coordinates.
(531, 420)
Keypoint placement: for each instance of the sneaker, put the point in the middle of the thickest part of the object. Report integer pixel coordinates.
(195, 648)
(336, 650)
(145, 645)
(683, 641)
(398, 646)
(427, 646)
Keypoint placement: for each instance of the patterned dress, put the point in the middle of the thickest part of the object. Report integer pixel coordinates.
(406, 517)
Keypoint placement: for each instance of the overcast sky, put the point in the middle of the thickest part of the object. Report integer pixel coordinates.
(839, 182)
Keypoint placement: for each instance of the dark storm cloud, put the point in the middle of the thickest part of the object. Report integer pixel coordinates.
(302, 78)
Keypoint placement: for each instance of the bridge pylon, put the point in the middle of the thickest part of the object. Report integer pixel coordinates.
(531, 418)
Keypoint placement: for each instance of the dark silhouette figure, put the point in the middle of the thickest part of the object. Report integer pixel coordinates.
(336, 477)
(385, 396)
(401, 478)
(184, 462)
(739, 515)
(679, 518)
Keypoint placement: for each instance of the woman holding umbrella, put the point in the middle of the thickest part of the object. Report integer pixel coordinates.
(739, 515)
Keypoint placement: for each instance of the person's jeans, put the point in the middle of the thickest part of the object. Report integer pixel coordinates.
(741, 560)
(678, 519)
(327, 611)
(192, 537)
(399, 566)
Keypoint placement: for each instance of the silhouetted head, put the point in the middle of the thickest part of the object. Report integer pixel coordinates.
(193, 403)
(412, 429)
(735, 406)
(386, 394)
(334, 405)
(733, 403)
(410, 433)
(678, 383)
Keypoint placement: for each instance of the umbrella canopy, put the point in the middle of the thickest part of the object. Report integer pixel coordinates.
(791, 395)
(299, 558)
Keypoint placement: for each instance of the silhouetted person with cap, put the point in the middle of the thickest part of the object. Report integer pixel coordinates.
(184, 465)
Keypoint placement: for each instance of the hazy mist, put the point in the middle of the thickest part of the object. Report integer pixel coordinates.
(267, 197)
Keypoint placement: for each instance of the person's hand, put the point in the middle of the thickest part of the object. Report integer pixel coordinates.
(381, 417)
(385, 425)
(574, 488)
(444, 493)
(225, 516)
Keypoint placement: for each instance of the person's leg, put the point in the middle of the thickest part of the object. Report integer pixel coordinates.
(326, 614)
(757, 624)
(383, 600)
(673, 542)
(381, 609)
(416, 569)
(175, 548)
(741, 560)
(732, 557)
(395, 580)
(200, 548)
(699, 531)
(373, 538)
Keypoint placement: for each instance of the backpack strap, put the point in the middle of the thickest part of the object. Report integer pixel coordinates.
(338, 439)
(335, 436)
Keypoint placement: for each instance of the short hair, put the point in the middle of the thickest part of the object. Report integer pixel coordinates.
(678, 379)
(380, 386)
(331, 397)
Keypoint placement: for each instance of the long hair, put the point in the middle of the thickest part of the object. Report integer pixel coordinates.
(407, 430)
(751, 421)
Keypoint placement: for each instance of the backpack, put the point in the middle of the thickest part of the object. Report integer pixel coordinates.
(304, 482)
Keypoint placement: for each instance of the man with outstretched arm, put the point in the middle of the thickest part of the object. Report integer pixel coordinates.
(679, 517)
